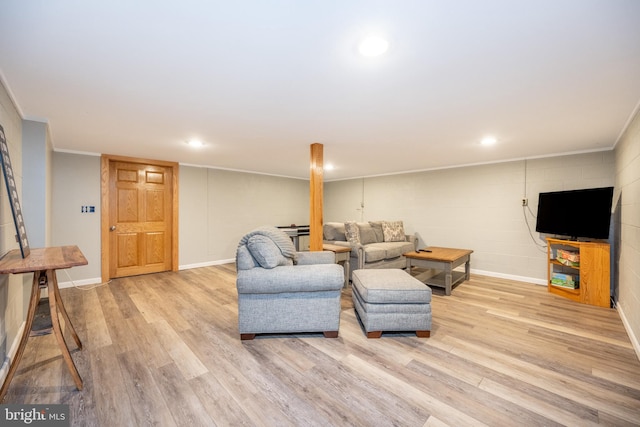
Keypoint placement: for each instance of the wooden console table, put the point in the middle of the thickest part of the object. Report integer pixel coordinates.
(43, 263)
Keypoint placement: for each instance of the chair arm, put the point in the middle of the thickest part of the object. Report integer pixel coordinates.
(291, 278)
(319, 257)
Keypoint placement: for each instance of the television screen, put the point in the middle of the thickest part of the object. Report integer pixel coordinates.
(576, 214)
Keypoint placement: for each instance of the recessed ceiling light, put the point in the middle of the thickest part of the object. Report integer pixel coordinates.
(195, 143)
(488, 140)
(373, 45)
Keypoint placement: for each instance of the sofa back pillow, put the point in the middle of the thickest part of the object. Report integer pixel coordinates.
(367, 233)
(334, 231)
(352, 232)
(377, 229)
(393, 231)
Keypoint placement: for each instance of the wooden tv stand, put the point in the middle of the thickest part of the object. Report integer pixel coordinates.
(593, 269)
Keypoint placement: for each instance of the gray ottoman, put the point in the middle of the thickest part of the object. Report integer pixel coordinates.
(391, 300)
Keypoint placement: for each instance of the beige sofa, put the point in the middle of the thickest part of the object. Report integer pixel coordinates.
(374, 244)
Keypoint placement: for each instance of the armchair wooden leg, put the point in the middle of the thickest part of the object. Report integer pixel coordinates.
(374, 334)
(423, 334)
(330, 334)
(245, 337)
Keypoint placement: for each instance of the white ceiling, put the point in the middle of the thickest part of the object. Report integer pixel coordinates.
(259, 81)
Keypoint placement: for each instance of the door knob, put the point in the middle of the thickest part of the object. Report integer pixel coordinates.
(112, 228)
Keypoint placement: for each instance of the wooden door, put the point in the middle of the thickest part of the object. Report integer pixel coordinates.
(139, 217)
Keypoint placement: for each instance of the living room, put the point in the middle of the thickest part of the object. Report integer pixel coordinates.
(473, 205)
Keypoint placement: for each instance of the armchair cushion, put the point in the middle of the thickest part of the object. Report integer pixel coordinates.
(266, 252)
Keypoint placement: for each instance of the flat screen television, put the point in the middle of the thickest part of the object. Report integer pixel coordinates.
(576, 214)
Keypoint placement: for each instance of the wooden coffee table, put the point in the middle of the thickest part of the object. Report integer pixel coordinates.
(445, 259)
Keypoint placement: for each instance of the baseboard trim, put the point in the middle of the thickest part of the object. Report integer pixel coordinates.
(83, 282)
(627, 326)
(207, 264)
(510, 277)
(4, 369)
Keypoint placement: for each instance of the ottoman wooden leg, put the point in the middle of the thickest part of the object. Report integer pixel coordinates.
(374, 334)
(330, 334)
(423, 334)
(245, 337)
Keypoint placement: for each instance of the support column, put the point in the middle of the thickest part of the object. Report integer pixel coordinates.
(316, 198)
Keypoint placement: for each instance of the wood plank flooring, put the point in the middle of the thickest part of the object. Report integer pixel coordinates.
(164, 350)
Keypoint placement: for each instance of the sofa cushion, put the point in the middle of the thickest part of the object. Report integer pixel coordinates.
(367, 233)
(393, 231)
(390, 286)
(334, 231)
(375, 252)
(396, 249)
(377, 228)
(266, 252)
(352, 232)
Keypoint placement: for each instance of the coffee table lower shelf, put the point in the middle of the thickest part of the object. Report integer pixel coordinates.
(440, 279)
(445, 260)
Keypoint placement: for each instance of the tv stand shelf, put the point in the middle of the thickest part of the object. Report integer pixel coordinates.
(592, 269)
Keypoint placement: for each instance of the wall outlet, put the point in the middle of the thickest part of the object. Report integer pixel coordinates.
(525, 202)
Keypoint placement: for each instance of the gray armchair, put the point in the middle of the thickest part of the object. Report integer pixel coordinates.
(284, 291)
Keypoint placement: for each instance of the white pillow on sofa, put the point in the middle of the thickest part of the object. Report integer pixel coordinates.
(393, 231)
(352, 232)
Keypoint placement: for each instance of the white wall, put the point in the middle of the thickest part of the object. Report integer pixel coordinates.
(475, 207)
(217, 207)
(14, 289)
(76, 183)
(36, 203)
(628, 251)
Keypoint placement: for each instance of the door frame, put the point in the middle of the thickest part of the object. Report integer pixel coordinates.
(105, 161)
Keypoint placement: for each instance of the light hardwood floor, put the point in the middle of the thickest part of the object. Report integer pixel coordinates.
(164, 350)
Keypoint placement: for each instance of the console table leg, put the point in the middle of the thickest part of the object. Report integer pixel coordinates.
(54, 304)
(33, 305)
(65, 316)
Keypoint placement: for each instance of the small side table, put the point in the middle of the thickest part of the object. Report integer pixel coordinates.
(343, 254)
(43, 263)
